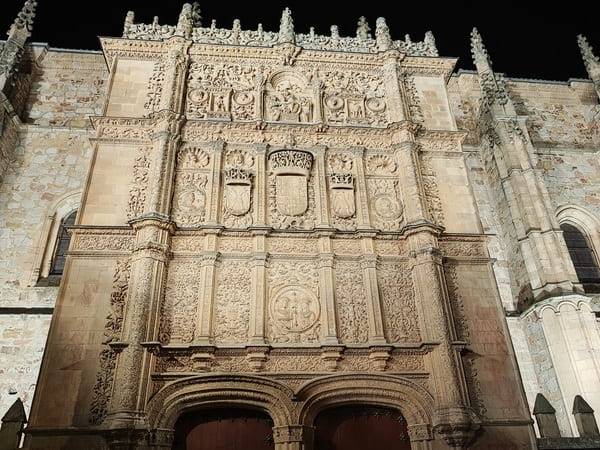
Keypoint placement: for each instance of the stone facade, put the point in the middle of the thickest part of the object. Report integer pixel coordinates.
(288, 223)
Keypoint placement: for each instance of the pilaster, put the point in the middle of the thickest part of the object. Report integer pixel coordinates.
(258, 296)
(322, 200)
(206, 278)
(326, 277)
(261, 186)
(292, 437)
(395, 102)
(368, 264)
(213, 199)
(362, 206)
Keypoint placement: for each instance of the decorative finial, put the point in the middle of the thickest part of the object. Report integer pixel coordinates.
(196, 15)
(286, 27)
(185, 24)
(129, 19)
(480, 54)
(363, 29)
(430, 43)
(591, 61)
(382, 35)
(25, 18)
(335, 32)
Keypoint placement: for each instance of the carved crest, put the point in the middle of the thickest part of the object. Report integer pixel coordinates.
(292, 170)
(238, 187)
(342, 194)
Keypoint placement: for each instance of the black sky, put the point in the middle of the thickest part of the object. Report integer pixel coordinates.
(527, 39)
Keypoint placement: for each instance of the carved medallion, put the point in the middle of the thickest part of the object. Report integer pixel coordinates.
(292, 170)
(288, 98)
(294, 314)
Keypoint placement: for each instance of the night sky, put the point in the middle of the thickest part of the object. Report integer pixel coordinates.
(525, 39)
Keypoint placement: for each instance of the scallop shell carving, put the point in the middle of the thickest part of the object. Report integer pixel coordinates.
(381, 165)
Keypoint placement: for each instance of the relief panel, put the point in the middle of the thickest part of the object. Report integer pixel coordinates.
(294, 307)
(341, 190)
(353, 98)
(222, 91)
(238, 189)
(289, 98)
(351, 303)
(397, 297)
(232, 302)
(191, 179)
(178, 311)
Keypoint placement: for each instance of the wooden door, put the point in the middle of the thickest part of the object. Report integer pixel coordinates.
(361, 428)
(224, 430)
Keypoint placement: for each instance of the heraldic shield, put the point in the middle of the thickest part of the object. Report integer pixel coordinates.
(236, 195)
(291, 169)
(342, 194)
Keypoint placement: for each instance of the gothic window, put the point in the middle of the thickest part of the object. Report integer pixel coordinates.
(62, 245)
(583, 257)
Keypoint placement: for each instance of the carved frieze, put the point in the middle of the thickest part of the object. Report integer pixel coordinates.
(292, 245)
(397, 296)
(351, 303)
(232, 302)
(189, 197)
(294, 308)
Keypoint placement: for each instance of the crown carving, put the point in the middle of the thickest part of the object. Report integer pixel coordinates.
(291, 162)
(341, 181)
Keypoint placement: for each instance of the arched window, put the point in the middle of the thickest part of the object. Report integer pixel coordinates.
(584, 260)
(61, 240)
(62, 245)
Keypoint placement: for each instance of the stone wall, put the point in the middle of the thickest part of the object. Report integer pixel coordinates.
(45, 170)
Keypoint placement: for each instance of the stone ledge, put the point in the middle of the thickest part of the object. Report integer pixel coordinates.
(568, 443)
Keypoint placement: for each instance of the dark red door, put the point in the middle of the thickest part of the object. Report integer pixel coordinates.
(360, 428)
(224, 430)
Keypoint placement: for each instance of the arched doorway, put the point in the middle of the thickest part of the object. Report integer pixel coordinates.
(224, 429)
(360, 428)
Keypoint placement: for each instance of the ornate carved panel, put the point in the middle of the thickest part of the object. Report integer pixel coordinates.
(178, 311)
(432, 192)
(232, 302)
(289, 98)
(384, 196)
(222, 91)
(397, 296)
(341, 190)
(112, 332)
(353, 98)
(139, 184)
(291, 189)
(237, 190)
(351, 303)
(189, 198)
(294, 308)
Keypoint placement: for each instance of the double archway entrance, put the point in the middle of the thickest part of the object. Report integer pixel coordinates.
(350, 427)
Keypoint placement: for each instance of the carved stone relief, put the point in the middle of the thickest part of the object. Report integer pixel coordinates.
(397, 295)
(341, 191)
(237, 191)
(353, 98)
(294, 307)
(291, 190)
(155, 85)
(289, 98)
(178, 311)
(139, 184)
(221, 91)
(385, 203)
(351, 303)
(232, 302)
(432, 192)
(189, 198)
(112, 333)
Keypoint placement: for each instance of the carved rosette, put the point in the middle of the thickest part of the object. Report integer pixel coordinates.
(384, 192)
(189, 198)
(291, 196)
(221, 91)
(354, 98)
